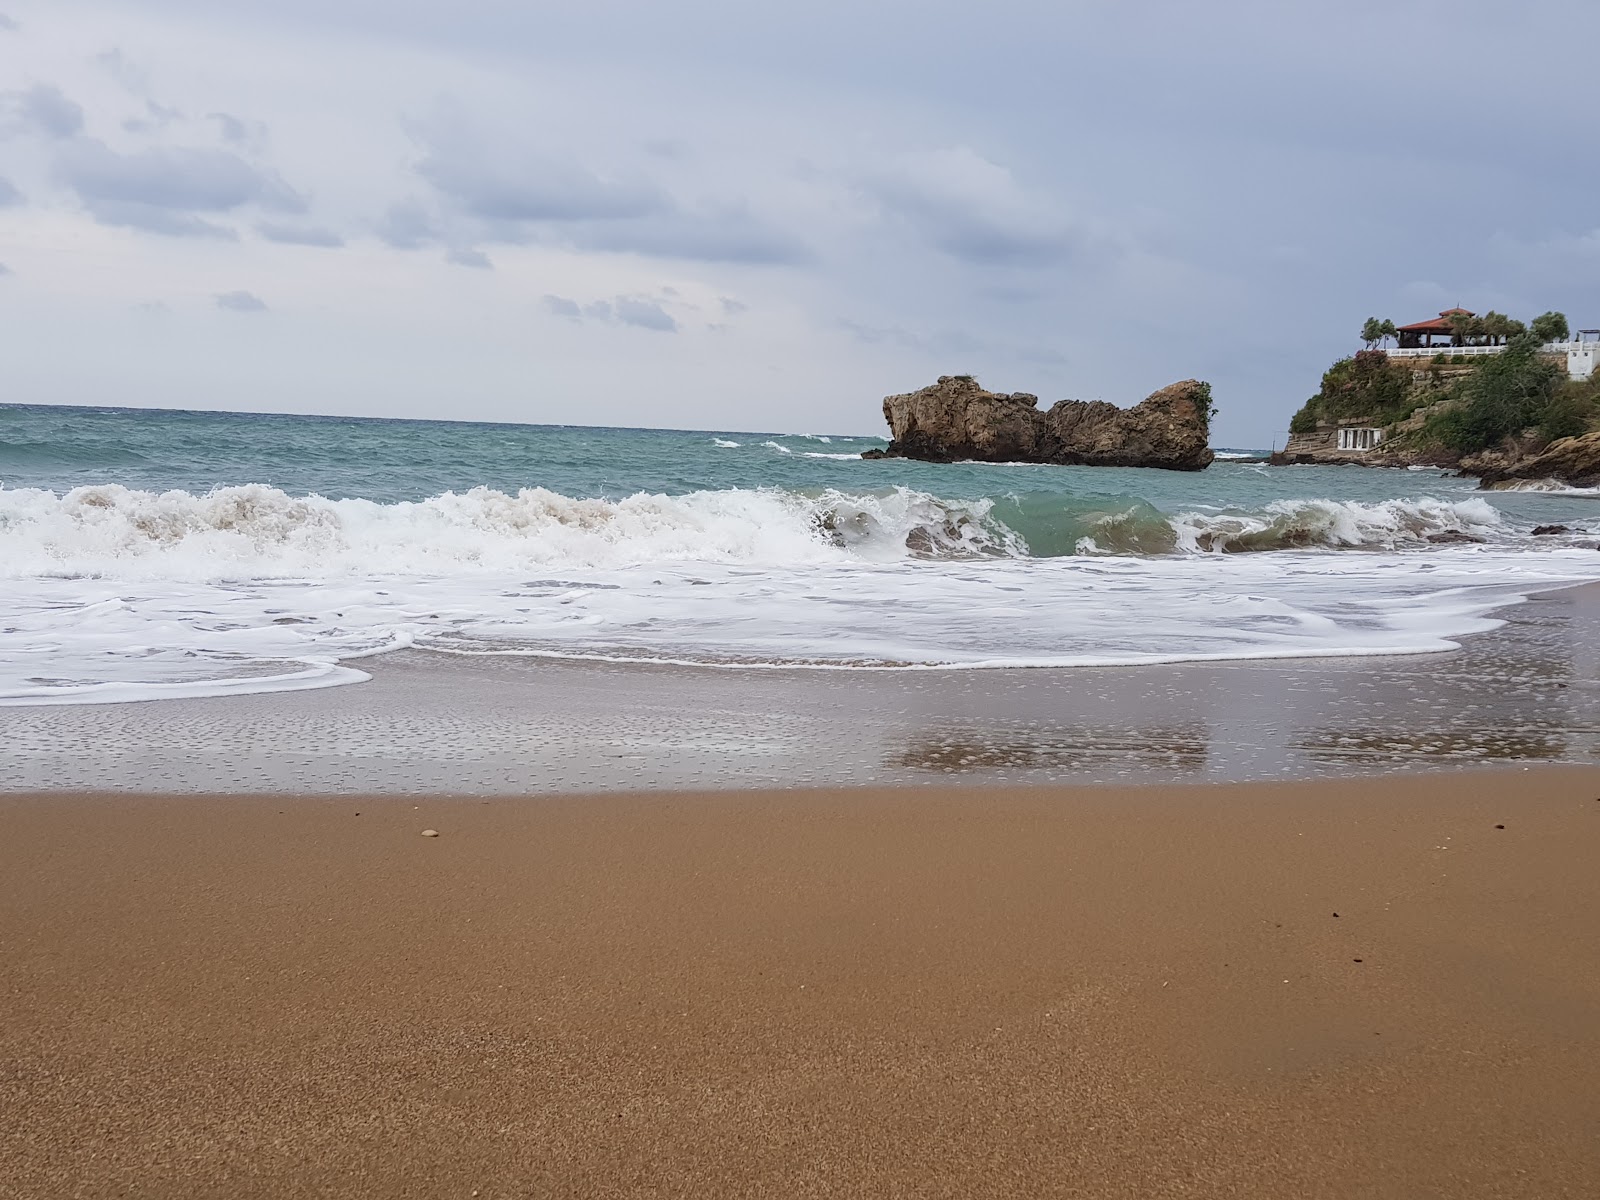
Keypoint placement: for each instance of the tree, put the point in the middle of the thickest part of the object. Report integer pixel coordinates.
(1496, 326)
(1504, 395)
(1371, 332)
(1550, 327)
(1461, 328)
(1387, 330)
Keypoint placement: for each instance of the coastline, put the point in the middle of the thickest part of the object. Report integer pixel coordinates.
(962, 991)
(1527, 691)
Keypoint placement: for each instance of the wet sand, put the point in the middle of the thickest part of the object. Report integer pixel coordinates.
(934, 992)
(1528, 691)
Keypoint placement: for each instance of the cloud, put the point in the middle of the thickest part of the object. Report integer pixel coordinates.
(162, 189)
(645, 314)
(241, 302)
(4, 270)
(516, 186)
(510, 193)
(157, 116)
(46, 110)
(466, 256)
(730, 236)
(238, 131)
(299, 235)
(117, 64)
(409, 225)
(9, 195)
(973, 209)
(7, 24)
(641, 312)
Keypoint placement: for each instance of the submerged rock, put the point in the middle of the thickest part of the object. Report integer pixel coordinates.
(957, 419)
(1574, 461)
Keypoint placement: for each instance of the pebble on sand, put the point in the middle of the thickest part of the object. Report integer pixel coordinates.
(430, 833)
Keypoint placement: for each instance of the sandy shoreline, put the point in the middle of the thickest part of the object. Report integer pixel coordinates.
(1528, 691)
(968, 991)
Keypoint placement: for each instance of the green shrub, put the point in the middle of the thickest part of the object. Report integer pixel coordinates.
(1504, 395)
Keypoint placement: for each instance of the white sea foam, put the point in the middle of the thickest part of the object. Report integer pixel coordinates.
(724, 443)
(778, 446)
(1386, 524)
(826, 454)
(112, 594)
(1551, 486)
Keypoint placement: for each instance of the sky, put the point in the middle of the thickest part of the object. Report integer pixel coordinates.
(715, 214)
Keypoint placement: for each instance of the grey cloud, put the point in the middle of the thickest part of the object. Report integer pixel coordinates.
(45, 109)
(157, 116)
(9, 195)
(233, 129)
(238, 131)
(879, 335)
(408, 225)
(163, 188)
(718, 237)
(299, 235)
(641, 312)
(4, 270)
(512, 195)
(7, 24)
(645, 314)
(973, 209)
(466, 256)
(523, 187)
(153, 219)
(122, 69)
(241, 302)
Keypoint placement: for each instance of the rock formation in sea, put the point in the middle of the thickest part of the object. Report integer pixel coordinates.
(1574, 461)
(957, 419)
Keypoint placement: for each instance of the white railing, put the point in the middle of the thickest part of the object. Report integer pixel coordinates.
(1469, 351)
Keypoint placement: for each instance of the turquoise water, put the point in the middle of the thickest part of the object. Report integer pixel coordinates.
(150, 554)
(387, 461)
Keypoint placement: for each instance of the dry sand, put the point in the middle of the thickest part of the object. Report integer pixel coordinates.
(960, 992)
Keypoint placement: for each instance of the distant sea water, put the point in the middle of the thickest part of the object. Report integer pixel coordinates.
(150, 554)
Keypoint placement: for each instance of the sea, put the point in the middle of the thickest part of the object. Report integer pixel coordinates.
(150, 554)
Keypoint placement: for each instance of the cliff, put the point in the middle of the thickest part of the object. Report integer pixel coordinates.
(1500, 415)
(956, 419)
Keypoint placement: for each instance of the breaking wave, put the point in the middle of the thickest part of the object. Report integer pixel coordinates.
(120, 594)
(256, 530)
(1340, 524)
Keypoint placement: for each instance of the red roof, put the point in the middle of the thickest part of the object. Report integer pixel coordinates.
(1440, 324)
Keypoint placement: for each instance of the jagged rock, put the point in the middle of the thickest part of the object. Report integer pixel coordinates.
(1573, 460)
(957, 419)
(1549, 530)
(1452, 536)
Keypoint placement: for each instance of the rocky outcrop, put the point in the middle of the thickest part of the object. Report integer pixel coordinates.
(1573, 460)
(956, 419)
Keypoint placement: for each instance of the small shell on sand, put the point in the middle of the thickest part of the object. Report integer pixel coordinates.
(430, 833)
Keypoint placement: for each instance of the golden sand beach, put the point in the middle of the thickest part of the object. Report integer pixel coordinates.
(1370, 987)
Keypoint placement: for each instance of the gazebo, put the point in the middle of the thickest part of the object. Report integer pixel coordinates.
(1421, 334)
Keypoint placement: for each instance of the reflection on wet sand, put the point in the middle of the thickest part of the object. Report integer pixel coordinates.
(1387, 745)
(1179, 750)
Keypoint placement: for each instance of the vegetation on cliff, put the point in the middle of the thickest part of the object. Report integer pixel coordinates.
(1504, 395)
(1516, 396)
(1366, 385)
